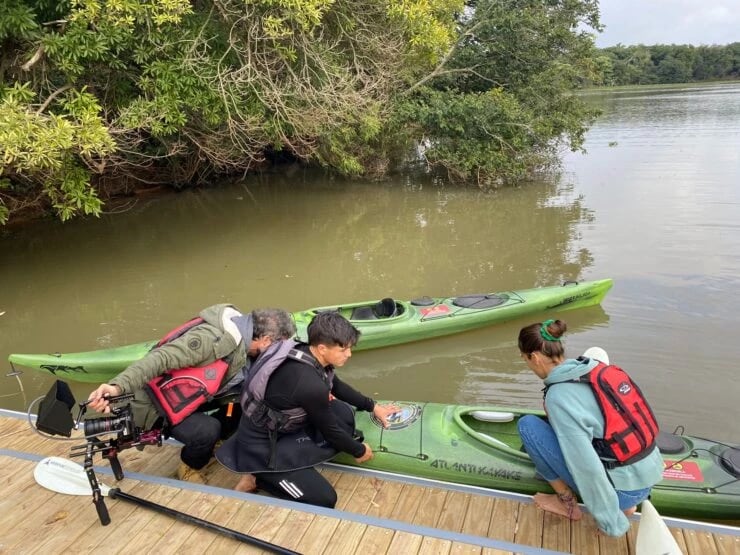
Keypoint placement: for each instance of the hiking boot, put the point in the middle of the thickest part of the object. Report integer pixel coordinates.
(187, 474)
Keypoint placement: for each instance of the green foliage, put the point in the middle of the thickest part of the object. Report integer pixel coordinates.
(501, 102)
(675, 63)
(53, 149)
(17, 20)
(173, 91)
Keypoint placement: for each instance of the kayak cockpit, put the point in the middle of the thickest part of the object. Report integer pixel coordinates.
(384, 308)
(372, 311)
(494, 428)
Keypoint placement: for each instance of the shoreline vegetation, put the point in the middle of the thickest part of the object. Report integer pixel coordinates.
(103, 101)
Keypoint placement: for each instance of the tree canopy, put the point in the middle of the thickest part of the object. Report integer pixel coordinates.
(101, 96)
(674, 63)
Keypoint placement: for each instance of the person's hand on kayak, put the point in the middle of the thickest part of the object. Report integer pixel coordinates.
(384, 412)
(98, 399)
(366, 456)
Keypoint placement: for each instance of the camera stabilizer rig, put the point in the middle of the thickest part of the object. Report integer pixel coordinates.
(55, 418)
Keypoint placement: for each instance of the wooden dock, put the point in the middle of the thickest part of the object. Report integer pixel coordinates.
(376, 513)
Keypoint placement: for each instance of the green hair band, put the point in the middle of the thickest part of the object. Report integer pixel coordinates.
(546, 334)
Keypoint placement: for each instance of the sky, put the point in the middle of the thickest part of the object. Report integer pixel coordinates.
(669, 22)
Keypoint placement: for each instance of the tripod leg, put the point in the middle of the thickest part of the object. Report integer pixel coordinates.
(98, 500)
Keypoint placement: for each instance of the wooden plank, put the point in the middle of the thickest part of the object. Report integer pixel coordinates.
(33, 516)
(612, 545)
(155, 461)
(477, 518)
(200, 506)
(699, 542)
(219, 476)
(452, 515)
(385, 500)
(583, 539)
(291, 533)
(503, 520)
(10, 427)
(430, 507)
(244, 520)
(160, 526)
(270, 520)
(434, 546)
(556, 532)
(727, 545)
(405, 543)
(631, 537)
(59, 523)
(29, 510)
(680, 540)
(15, 479)
(491, 551)
(465, 549)
(346, 538)
(408, 503)
(529, 525)
(125, 520)
(375, 540)
(318, 534)
(363, 497)
(199, 542)
(345, 488)
(332, 476)
(38, 520)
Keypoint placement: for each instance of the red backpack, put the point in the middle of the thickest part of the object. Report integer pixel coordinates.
(630, 427)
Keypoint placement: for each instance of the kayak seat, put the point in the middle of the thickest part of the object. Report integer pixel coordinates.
(363, 313)
(670, 444)
(385, 308)
(730, 458)
(478, 301)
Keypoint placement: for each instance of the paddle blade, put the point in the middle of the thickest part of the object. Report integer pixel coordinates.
(653, 535)
(64, 476)
(597, 353)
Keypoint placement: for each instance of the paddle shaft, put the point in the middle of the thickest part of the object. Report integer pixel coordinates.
(116, 493)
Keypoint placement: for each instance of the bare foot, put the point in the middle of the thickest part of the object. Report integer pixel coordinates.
(247, 483)
(552, 503)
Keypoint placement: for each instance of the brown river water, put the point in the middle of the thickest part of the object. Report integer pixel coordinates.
(654, 204)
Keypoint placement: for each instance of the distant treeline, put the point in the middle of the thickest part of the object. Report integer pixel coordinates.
(663, 63)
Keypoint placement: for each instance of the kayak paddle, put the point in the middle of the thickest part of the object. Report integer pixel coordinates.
(653, 535)
(65, 476)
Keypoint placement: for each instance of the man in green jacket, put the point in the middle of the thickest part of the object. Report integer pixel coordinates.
(225, 334)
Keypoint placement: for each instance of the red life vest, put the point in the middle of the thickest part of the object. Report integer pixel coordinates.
(630, 427)
(178, 393)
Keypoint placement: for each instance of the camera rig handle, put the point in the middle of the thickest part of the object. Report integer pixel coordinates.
(97, 495)
(112, 400)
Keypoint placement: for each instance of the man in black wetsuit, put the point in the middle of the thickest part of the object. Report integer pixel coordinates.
(297, 414)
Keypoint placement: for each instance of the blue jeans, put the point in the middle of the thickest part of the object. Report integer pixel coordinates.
(543, 448)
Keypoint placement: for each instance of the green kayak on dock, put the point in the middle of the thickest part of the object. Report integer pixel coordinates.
(382, 323)
(480, 446)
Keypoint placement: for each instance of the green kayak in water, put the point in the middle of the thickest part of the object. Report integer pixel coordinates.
(381, 323)
(480, 446)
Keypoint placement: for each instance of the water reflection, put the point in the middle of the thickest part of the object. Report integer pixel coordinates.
(291, 241)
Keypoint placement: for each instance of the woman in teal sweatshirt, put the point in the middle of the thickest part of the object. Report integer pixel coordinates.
(561, 445)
